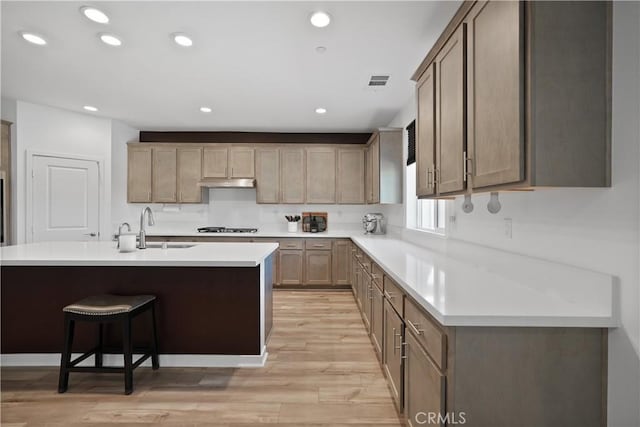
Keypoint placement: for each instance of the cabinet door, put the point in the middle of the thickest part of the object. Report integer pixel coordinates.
(317, 267)
(139, 174)
(393, 337)
(292, 175)
(214, 162)
(375, 170)
(241, 162)
(267, 175)
(341, 262)
(424, 385)
(450, 107)
(377, 319)
(365, 287)
(356, 282)
(164, 183)
(368, 182)
(290, 267)
(189, 173)
(350, 185)
(495, 88)
(321, 175)
(426, 133)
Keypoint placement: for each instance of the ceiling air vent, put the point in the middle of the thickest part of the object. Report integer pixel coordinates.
(378, 80)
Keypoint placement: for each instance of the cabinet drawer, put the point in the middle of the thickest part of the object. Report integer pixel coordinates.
(426, 331)
(377, 275)
(292, 244)
(318, 244)
(394, 295)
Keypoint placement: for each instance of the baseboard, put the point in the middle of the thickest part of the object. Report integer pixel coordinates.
(166, 360)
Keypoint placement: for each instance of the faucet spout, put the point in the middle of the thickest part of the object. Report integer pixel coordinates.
(142, 244)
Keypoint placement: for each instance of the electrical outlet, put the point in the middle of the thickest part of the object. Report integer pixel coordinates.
(508, 228)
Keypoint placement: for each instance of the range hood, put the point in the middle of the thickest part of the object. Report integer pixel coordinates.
(227, 183)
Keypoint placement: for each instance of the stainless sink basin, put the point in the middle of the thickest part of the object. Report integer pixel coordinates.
(169, 246)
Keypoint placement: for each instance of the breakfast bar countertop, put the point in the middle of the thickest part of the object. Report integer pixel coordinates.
(105, 253)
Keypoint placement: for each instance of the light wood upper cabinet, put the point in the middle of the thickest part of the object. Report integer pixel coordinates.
(450, 114)
(368, 175)
(374, 150)
(514, 110)
(164, 183)
(214, 162)
(350, 176)
(241, 162)
(321, 175)
(139, 176)
(426, 133)
(494, 90)
(189, 173)
(267, 175)
(292, 175)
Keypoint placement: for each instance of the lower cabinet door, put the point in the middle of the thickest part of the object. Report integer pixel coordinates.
(377, 316)
(365, 287)
(355, 279)
(392, 357)
(317, 267)
(424, 387)
(290, 267)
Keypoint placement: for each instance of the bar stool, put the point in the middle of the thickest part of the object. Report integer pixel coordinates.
(107, 309)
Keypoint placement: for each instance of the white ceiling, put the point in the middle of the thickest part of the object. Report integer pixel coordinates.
(253, 63)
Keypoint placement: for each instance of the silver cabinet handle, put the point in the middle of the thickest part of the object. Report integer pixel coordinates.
(394, 340)
(388, 295)
(318, 246)
(429, 176)
(415, 327)
(405, 345)
(90, 234)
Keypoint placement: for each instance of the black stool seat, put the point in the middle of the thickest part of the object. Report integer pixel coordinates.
(106, 305)
(103, 309)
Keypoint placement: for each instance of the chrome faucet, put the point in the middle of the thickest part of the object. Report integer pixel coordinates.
(142, 244)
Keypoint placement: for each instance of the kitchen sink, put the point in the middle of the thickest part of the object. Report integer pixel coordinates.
(169, 246)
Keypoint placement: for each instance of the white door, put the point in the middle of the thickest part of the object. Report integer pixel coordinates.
(66, 199)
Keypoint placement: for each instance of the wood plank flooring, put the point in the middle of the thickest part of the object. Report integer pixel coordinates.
(321, 371)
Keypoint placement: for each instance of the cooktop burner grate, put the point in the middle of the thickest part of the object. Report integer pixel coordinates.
(226, 230)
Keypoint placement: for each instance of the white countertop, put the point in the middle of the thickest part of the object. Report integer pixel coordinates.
(512, 291)
(106, 254)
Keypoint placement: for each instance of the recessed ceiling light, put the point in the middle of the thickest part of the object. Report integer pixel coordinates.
(205, 109)
(33, 38)
(321, 49)
(182, 39)
(94, 14)
(110, 39)
(90, 108)
(321, 110)
(320, 19)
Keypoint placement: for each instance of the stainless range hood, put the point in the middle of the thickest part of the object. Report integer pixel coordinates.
(227, 183)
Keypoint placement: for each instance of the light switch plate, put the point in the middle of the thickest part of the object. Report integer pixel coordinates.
(508, 228)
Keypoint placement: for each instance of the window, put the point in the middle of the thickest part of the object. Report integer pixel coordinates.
(424, 215)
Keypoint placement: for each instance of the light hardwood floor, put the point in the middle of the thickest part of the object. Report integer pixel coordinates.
(321, 371)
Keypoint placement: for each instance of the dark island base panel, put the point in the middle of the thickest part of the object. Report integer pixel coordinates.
(200, 310)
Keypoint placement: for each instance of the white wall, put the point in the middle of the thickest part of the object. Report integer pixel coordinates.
(55, 131)
(597, 229)
(8, 112)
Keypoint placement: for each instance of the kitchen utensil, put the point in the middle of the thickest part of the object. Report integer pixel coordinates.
(494, 204)
(374, 223)
(467, 206)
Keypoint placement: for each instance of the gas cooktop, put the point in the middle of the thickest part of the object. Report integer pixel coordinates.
(226, 230)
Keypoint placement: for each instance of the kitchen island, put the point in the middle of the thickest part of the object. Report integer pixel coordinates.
(214, 300)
